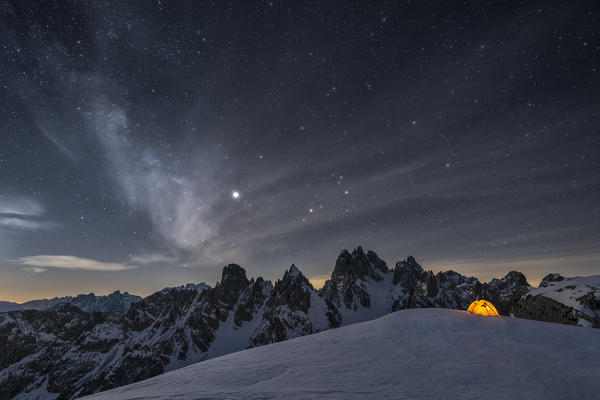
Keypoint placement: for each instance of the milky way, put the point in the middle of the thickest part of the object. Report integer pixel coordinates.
(463, 134)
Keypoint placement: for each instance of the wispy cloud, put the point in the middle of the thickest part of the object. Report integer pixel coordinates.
(23, 223)
(152, 258)
(34, 270)
(38, 264)
(23, 213)
(19, 205)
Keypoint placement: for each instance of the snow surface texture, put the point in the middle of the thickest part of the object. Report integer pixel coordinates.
(410, 354)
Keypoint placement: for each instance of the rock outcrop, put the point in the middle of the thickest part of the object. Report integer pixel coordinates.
(573, 301)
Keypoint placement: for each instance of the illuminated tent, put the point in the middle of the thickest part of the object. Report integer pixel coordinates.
(483, 307)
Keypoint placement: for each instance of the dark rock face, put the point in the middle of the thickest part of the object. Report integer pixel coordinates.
(286, 314)
(333, 315)
(226, 293)
(173, 324)
(542, 308)
(550, 279)
(252, 300)
(74, 352)
(591, 301)
(62, 330)
(457, 291)
(573, 301)
(452, 290)
(349, 271)
(505, 292)
(358, 265)
(292, 291)
(419, 286)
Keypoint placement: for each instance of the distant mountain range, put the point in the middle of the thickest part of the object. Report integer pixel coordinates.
(114, 302)
(72, 351)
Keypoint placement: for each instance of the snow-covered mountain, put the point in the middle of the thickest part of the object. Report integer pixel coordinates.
(574, 301)
(114, 302)
(179, 326)
(424, 354)
(188, 286)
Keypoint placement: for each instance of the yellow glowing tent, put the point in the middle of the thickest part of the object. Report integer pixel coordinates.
(483, 307)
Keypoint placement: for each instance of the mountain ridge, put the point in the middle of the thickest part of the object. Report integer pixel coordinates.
(115, 301)
(179, 326)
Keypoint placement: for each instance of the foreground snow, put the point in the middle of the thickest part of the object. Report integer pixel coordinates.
(416, 354)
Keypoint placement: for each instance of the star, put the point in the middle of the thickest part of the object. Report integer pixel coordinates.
(235, 194)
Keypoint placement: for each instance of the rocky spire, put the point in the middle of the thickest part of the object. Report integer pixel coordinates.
(293, 290)
(358, 265)
(351, 272)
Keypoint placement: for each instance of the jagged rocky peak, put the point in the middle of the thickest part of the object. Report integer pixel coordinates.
(294, 275)
(286, 311)
(351, 275)
(233, 279)
(233, 283)
(516, 277)
(293, 290)
(450, 277)
(550, 279)
(358, 265)
(233, 273)
(420, 287)
(512, 279)
(411, 264)
(450, 281)
(506, 291)
(409, 273)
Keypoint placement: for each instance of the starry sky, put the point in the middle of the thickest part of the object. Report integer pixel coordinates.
(146, 144)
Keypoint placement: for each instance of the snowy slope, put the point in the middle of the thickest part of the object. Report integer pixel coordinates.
(416, 354)
(574, 301)
(569, 291)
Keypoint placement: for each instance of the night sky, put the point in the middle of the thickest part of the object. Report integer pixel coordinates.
(465, 134)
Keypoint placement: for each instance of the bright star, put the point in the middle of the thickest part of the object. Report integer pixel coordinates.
(235, 195)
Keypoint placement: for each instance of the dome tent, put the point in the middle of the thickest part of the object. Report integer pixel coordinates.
(483, 307)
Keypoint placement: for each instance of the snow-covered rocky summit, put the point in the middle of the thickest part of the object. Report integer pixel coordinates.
(188, 286)
(574, 301)
(410, 354)
(179, 326)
